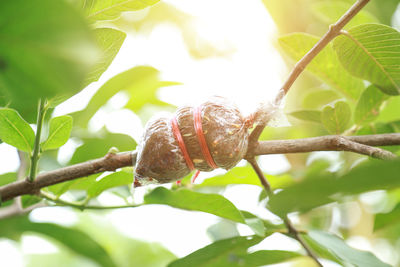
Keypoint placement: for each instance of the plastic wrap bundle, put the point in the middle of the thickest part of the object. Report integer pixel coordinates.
(212, 135)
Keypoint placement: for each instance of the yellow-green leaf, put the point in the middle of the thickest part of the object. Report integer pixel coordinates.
(15, 131)
(60, 130)
(372, 52)
(111, 9)
(325, 65)
(336, 119)
(369, 104)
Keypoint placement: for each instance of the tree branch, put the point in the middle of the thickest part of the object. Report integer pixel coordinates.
(334, 30)
(362, 144)
(111, 162)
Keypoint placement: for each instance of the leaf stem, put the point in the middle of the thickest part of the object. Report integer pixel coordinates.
(36, 149)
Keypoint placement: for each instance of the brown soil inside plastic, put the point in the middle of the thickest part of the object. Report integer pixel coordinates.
(225, 131)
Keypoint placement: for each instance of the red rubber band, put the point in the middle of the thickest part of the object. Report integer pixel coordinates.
(195, 175)
(181, 143)
(200, 136)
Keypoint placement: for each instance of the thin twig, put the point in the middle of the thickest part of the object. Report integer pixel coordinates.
(81, 206)
(260, 174)
(289, 225)
(334, 30)
(297, 235)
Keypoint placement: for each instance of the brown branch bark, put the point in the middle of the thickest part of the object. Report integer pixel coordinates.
(334, 30)
(111, 162)
(362, 144)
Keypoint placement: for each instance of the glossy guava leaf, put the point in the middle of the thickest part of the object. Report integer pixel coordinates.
(320, 189)
(307, 115)
(109, 41)
(344, 252)
(369, 105)
(330, 11)
(391, 218)
(15, 131)
(96, 10)
(74, 239)
(371, 52)
(325, 65)
(336, 119)
(112, 180)
(60, 130)
(191, 200)
(46, 50)
(139, 83)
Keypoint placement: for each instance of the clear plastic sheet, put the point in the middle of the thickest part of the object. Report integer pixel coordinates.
(160, 159)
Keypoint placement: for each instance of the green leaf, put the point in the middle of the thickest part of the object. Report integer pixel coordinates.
(376, 128)
(28, 200)
(45, 50)
(77, 241)
(223, 229)
(383, 10)
(371, 52)
(110, 41)
(267, 257)
(77, 184)
(255, 223)
(383, 220)
(325, 65)
(319, 98)
(287, 18)
(246, 175)
(318, 190)
(125, 251)
(336, 119)
(61, 258)
(220, 253)
(140, 83)
(307, 115)
(190, 200)
(391, 110)
(321, 251)
(15, 131)
(98, 146)
(7, 178)
(330, 11)
(111, 9)
(368, 105)
(60, 130)
(112, 180)
(233, 252)
(344, 252)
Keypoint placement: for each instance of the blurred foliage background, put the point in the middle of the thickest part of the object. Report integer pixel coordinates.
(343, 202)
